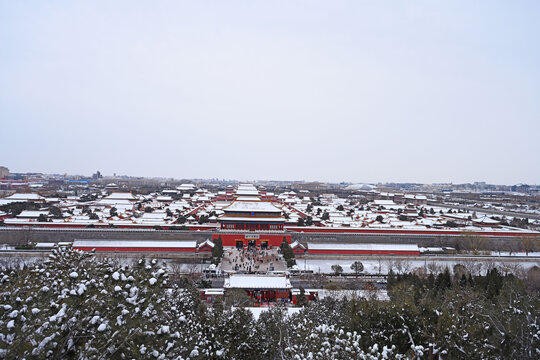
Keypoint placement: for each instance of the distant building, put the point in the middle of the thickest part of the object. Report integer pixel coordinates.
(112, 187)
(4, 172)
(186, 187)
(97, 176)
(416, 199)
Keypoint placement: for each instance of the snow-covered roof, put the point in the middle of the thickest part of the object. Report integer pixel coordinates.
(32, 214)
(247, 190)
(384, 202)
(154, 216)
(214, 291)
(135, 243)
(27, 197)
(417, 197)
(486, 220)
(170, 191)
(186, 187)
(207, 243)
(247, 198)
(253, 206)
(462, 216)
(297, 244)
(164, 198)
(114, 202)
(45, 245)
(237, 281)
(121, 196)
(363, 247)
(8, 201)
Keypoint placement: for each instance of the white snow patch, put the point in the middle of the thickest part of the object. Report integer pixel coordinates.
(81, 289)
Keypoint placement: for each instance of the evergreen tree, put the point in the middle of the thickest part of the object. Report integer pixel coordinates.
(217, 251)
(357, 267)
(301, 300)
(56, 212)
(337, 269)
(288, 253)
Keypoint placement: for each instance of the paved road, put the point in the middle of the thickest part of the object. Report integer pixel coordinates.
(196, 258)
(360, 283)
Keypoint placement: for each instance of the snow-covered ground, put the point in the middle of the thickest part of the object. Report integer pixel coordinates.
(382, 266)
(367, 294)
(257, 311)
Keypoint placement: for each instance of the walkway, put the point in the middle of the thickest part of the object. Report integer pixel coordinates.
(252, 261)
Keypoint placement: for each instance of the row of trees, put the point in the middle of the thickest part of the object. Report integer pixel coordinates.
(77, 306)
(15, 208)
(307, 221)
(357, 268)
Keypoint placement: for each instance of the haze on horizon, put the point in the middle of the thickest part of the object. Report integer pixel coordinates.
(359, 91)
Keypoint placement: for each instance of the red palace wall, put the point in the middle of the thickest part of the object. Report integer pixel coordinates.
(231, 239)
(363, 252)
(143, 249)
(406, 232)
(328, 230)
(68, 225)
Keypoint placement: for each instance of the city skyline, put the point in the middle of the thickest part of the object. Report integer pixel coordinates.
(350, 91)
(113, 176)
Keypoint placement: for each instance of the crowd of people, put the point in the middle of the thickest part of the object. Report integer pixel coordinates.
(253, 259)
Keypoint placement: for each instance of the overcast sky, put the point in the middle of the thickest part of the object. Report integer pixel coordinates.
(359, 91)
